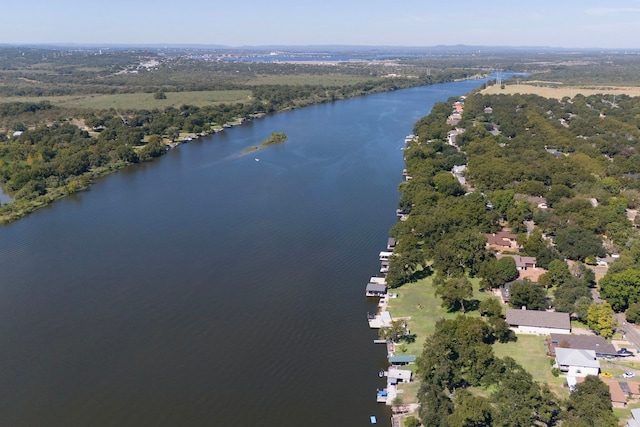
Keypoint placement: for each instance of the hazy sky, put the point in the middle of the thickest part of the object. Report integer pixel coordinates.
(557, 23)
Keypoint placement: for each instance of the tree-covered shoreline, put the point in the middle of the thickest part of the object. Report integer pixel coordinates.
(560, 175)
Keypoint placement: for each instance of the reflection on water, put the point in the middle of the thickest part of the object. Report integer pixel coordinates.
(210, 289)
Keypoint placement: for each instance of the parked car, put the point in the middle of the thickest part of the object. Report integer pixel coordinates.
(606, 375)
(623, 352)
(628, 375)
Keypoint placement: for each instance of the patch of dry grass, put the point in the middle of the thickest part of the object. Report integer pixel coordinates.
(559, 91)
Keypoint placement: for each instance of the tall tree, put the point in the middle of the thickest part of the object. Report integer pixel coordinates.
(621, 289)
(453, 291)
(527, 294)
(470, 410)
(589, 405)
(600, 319)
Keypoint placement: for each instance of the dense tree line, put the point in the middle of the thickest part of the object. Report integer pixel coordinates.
(458, 361)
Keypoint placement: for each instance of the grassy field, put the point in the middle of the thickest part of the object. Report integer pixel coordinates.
(530, 352)
(309, 79)
(140, 100)
(559, 91)
(417, 301)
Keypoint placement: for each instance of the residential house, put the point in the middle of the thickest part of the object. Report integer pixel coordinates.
(538, 322)
(522, 262)
(453, 134)
(395, 376)
(634, 421)
(599, 345)
(577, 363)
(618, 396)
(502, 241)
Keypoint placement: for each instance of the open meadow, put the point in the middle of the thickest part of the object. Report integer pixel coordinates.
(559, 91)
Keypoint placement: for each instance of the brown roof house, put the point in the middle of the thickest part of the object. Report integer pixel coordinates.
(502, 241)
(535, 322)
(522, 262)
(618, 396)
(526, 266)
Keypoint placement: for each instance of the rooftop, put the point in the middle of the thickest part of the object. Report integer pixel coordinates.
(573, 357)
(545, 319)
(584, 342)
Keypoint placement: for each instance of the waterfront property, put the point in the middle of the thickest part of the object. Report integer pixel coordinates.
(402, 359)
(395, 376)
(391, 244)
(538, 322)
(376, 289)
(380, 320)
(385, 255)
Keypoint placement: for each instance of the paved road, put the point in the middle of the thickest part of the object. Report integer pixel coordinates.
(631, 331)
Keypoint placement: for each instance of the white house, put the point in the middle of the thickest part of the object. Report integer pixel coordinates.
(577, 363)
(538, 322)
(634, 421)
(395, 375)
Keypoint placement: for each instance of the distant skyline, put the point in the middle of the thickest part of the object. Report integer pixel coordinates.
(555, 23)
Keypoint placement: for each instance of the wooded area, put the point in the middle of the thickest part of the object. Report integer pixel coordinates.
(562, 175)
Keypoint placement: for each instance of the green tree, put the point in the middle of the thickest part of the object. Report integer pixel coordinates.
(470, 410)
(159, 94)
(490, 307)
(581, 307)
(621, 289)
(527, 294)
(411, 421)
(600, 319)
(520, 401)
(435, 405)
(460, 252)
(453, 291)
(447, 184)
(633, 313)
(577, 243)
(557, 273)
(589, 405)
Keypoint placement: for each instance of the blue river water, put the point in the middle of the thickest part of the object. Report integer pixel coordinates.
(209, 288)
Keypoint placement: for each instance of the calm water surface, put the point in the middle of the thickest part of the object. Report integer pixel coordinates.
(208, 288)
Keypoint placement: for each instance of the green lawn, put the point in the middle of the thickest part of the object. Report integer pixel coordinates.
(531, 353)
(417, 301)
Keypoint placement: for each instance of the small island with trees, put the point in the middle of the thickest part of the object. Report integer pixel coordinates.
(275, 138)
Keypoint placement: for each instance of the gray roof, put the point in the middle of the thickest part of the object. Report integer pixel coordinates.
(584, 342)
(402, 358)
(580, 358)
(376, 287)
(541, 319)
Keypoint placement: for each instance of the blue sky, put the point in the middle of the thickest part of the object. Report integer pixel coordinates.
(557, 23)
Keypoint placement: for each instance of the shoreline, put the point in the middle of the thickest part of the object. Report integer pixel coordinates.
(21, 208)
